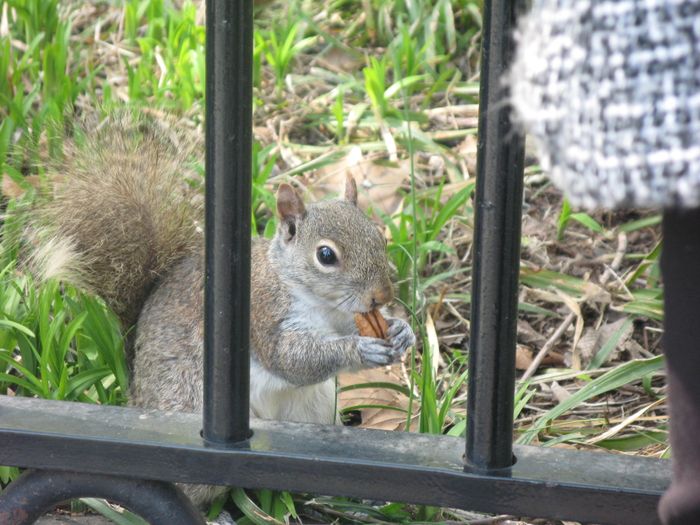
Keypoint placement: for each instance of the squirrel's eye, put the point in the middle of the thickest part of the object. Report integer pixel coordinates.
(326, 255)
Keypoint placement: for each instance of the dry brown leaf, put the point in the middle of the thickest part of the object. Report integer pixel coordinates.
(588, 345)
(635, 350)
(523, 357)
(378, 418)
(467, 151)
(377, 184)
(527, 334)
(340, 60)
(264, 134)
(554, 359)
(597, 294)
(558, 392)
(594, 338)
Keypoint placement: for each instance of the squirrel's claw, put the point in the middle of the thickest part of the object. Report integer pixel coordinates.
(400, 335)
(375, 352)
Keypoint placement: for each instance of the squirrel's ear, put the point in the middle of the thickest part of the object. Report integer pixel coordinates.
(350, 190)
(289, 204)
(290, 208)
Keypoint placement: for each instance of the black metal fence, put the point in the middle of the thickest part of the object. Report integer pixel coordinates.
(85, 450)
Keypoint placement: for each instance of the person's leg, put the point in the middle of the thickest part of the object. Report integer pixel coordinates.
(680, 264)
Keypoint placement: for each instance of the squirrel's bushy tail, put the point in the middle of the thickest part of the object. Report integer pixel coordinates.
(120, 214)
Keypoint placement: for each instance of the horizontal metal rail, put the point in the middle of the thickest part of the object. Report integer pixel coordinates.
(392, 466)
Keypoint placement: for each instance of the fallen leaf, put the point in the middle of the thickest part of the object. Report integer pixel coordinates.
(377, 183)
(527, 334)
(378, 417)
(467, 151)
(341, 60)
(263, 134)
(594, 338)
(554, 359)
(597, 294)
(558, 392)
(635, 350)
(523, 357)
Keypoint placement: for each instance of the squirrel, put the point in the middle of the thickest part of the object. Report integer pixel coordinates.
(123, 224)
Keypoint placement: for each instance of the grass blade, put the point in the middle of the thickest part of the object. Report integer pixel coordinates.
(615, 378)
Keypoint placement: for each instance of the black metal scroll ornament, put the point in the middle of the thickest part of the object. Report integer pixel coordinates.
(37, 491)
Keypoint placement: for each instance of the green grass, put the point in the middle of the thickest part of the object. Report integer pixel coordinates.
(56, 343)
(393, 80)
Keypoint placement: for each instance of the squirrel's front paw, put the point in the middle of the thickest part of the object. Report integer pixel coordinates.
(376, 352)
(400, 335)
(382, 352)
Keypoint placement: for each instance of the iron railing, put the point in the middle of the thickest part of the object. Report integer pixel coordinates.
(86, 450)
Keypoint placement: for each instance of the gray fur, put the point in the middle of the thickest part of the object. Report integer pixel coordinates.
(302, 327)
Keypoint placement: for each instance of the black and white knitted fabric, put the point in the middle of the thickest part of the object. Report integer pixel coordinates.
(610, 92)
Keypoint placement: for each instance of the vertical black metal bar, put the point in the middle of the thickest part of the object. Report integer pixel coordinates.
(499, 190)
(679, 268)
(228, 190)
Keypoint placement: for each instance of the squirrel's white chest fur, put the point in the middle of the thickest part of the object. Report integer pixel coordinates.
(272, 397)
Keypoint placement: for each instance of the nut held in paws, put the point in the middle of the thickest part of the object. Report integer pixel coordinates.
(372, 324)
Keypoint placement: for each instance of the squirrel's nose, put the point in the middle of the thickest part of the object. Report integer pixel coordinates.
(382, 295)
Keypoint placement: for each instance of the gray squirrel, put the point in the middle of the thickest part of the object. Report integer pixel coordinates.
(123, 224)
